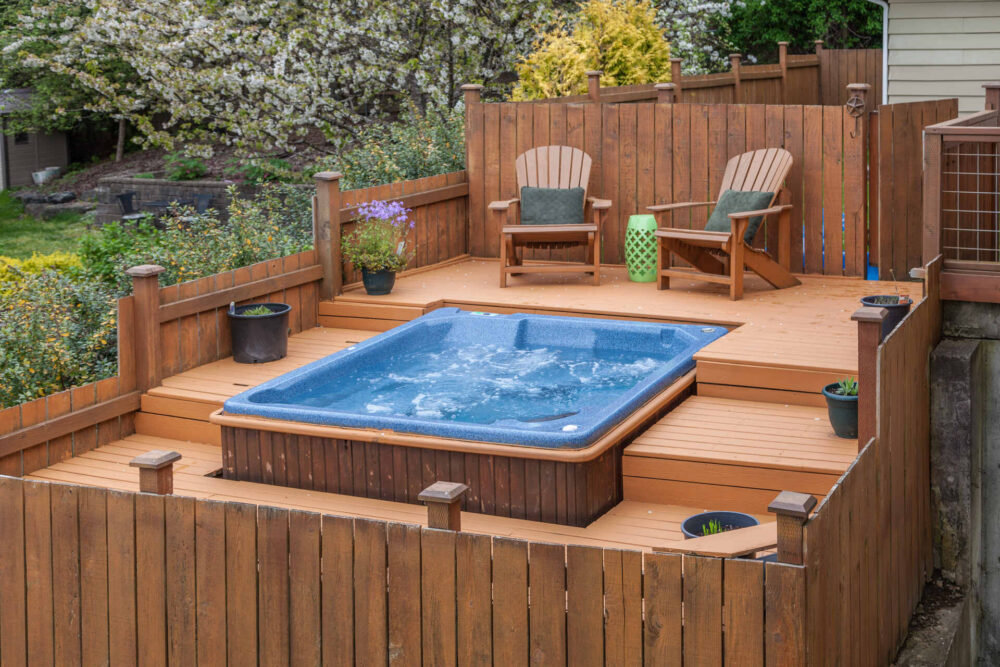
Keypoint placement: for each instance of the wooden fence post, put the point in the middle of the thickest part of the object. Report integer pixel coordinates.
(443, 500)
(676, 77)
(472, 93)
(792, 510)
(326, 235)
(664, 93)
(869, 321)
(146, 324)
(933, 149)
(594, 84)
(783, 62)
(992, 97)
(822, 70)
(156, 471)
(734, 64)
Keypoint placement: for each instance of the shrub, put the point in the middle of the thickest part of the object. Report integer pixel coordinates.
(12, 269)
(104, 251)
(181, 167)
(378, 243)
(263, 170)
(417, 145)
(619, 37)
(56, 332)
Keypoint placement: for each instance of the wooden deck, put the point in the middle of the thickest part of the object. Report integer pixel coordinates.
(629, 525)
(785, 344)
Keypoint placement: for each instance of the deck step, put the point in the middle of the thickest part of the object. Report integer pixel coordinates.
(722, 453)
(370, 316)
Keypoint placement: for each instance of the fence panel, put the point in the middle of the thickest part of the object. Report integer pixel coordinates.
(840, 67)
(897, 162)
(167, 579)
(868, 546)
(654, 153)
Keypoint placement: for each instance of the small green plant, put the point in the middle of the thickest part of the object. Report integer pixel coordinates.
(713, 527)
(847, 386)
(146, 175)
(256, 311)
(181, 167)
(378, 243)
(263, 170)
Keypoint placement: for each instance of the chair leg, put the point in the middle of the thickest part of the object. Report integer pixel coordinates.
(662, 281)
(736, 269)
(597, 258)
(504, 240)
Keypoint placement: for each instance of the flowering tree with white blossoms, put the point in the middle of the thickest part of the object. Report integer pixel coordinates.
(265, 75)
(697, 32)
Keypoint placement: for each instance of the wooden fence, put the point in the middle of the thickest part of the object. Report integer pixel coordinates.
(652, 153)
(868, 546)
(91, 576)
(896, 179)
(817, 79)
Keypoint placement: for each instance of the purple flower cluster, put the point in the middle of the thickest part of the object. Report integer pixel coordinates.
(392, 212)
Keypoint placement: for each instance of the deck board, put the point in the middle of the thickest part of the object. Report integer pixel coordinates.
(629, 525)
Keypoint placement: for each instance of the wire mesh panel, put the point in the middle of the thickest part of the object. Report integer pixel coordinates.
(970, 205)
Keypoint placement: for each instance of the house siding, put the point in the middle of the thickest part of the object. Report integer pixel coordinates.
(40, 151)
(943, 49)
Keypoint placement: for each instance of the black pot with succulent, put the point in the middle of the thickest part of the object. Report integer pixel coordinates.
(712, 523)
(259, 332)
(842, 406)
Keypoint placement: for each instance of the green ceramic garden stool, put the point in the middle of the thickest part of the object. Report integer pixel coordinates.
(640, 248)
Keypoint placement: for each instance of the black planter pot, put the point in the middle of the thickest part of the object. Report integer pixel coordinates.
(694, 526)
(843, 412)
(258, 339)
(378, 282)
(897, 311)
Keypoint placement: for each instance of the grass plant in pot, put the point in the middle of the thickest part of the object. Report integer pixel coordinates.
(259, 332)
(711, 523)
(377, 246)
(842, 406)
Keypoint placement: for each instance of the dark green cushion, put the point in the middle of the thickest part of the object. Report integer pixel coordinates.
(551, 206)
(735, 201)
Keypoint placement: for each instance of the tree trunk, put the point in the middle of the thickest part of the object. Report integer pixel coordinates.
(120, 150)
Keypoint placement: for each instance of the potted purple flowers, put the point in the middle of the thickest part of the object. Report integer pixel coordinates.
(377, 245)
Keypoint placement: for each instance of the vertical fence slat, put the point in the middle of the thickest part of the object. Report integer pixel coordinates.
(94, 576)
(370, 631)
(150, 567)
(241, 583)
(180, 579)
(305, 638)
(438, 608)
(210, 582)
(585, 605)
(122, 631)
(38, 571)
(785, 600)
(338, 590)
(13, 624)
(662, 596)
(702, 610)
(473, 575)
(547, 612)
(510, 601)
(404, 594)
(743, 597)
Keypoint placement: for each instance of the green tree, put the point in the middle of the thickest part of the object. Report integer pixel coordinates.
(619, 37)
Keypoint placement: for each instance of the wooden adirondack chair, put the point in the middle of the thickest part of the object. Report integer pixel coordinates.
(550, 167)
(721, 257)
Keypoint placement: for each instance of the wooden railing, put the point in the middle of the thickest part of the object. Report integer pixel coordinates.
(439, 212)
(817, 79)
(961, 204)
(868, 546)
(91, 576)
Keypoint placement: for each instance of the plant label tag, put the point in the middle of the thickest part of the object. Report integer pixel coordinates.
(399, 248)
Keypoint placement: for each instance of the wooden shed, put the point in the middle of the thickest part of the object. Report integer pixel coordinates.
(25, 152)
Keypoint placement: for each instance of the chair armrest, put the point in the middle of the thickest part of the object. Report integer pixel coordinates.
(658, 208)
(599, 204)
(764, 211)
(503, 204)
(729, 544)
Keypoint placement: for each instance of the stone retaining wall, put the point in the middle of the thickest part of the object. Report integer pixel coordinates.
(159, 189)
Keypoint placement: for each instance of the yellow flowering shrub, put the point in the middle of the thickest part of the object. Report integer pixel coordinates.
(619, 37)
(11, 268)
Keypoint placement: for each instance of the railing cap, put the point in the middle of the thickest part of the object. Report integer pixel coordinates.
(735, 55)
(859, 86)
(664, 86)
(470, 86)
(594, 72)
(991, 84)
(439, 492)
(676, 60)
(155, 459)
(145, 271)
(328, 176)
(794, 504)
(869, 314)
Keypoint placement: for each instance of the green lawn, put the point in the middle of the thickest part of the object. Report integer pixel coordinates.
(21, 235)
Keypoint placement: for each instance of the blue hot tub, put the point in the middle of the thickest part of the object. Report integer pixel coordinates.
(531, 380)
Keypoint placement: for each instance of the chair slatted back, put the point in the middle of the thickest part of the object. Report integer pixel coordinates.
(762, 170)
(553, 167)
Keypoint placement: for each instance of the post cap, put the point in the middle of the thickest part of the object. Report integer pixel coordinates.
(991, 84)
(869, 314)
(442, 492)
(790, 503)
(783, 43)
(664, 86)
(918, 273)
(155, 459)
(594, 72)
(328, 176)
(857, 87)
(818, 42)
(676, 60)
(145, 270)
(470, 86)
(735, 55)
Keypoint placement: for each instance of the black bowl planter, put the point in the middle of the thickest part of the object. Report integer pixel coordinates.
(259, 338)
(898, 307)
(843, 411)
(694, 526)
(378, 282)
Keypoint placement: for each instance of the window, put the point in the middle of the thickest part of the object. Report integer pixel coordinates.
(20, 138)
